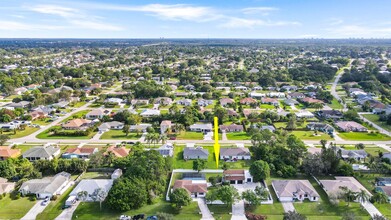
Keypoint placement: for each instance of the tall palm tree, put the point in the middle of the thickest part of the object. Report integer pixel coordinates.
(82, 195)
(380, 197)
(148, 138)
(179, 128)
(348, 194)
(155, 138)
(362, 196)
(163, 138)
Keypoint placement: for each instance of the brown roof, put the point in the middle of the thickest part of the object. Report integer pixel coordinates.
(166, 122)
(311, 100)
(76, 123)
(7, 152)
(386, 190)
(85, 150)
(118, 151)
(269, 100)
(247, 100)
(190, 186)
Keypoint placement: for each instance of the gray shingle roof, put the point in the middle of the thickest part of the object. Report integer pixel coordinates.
(43, 152)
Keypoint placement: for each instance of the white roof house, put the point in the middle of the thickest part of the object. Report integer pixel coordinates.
(150, 112)
(304, 114)
(90, 185)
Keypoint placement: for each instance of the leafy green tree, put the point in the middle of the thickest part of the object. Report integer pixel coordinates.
(3, 138)
(360, 146)
(199, 164)
(227, 194)
(291, 123)
(260, 170)
(99, 195)
(380, 197)
(323, 143)
(251, 197)
(180, 197)
(293, 215)
(7, 169)
(126, 129)
(127, 194)
(348, 194)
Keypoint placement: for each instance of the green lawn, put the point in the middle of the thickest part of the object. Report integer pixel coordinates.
(54, 208)
(46, 135)
(190, 135)
(375, 119)
(90, 210)
(14, 209)
(309, 135)
(267, 106)
(43, 121)
(272, 211)
(21, 133)
(335, 104)
(78, 104)
(79, 114)
(384, 209)
(364, 136)
(220, 212)
(374, 151)
(180, 163)
(238, 136)
(119, 134)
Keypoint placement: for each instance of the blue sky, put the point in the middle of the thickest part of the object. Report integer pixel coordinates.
(195, 19)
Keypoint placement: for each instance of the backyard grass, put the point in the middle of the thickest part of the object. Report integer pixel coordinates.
(374, 151)
(78, 104)
(190, 135)
(21, 133)
(44, 121)
(364, 136)
(309, 135)
(79, 114)
(95, 175)
(220, 212)
(119, 134)
(272, 211)
(54, 208)
(24, 147)
(46, 135)
(375, 119)
(91, 210)
(14, 209)
(238, 136)
(180, 163)
(267, 106)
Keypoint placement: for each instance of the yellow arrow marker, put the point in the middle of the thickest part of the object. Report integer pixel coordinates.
(217, 145)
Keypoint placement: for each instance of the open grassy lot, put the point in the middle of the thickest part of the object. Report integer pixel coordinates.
(238, 136)
(119, 134)
(77, 104)
(374, 151)
(54, 208)
(221, 212)
(190, 135)
(179, 162)
(79, 114)
(364, 136)
(309, 135)
(335, 104)
(21, 133)
(14, 209)
(47, 135)
(375, 119)
(90, 210)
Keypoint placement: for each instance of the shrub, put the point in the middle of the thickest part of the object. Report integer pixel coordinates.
(54, 198)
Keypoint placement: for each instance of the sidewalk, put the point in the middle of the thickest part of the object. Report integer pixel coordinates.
(206, 215)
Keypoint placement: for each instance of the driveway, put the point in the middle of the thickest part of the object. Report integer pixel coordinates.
(34, 211)
(288, 206)
(238, 211)
(206, 215)
(67, 213)
(371, 209)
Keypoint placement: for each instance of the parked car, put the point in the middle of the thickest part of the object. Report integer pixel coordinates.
(154, 217)
(45, 201)
(139, 216)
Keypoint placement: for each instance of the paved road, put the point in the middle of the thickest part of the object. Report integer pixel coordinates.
(373, 124)
(66, 214)
(334, 86)
(206, 215)
(34, 211)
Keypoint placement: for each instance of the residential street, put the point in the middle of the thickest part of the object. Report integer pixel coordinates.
(67, 213)
(381, 130)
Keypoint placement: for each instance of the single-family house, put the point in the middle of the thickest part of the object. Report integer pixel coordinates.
(163, 101)
(235, 153)
(192, 153)
(296, 95)
(116, 101)
(185, 102)
(165, 125)
(5, 186)
(257, 95)
(47, 186)
(166, 150)
(81, 153)
(140, 127)
(270, 101)
(237, 176)
(139, 102)
(38, 115)
(310, 101)
(150, 113)
(194, 188)
(42, 153)
(323, 127)
(330, 114)
(226, 101)
(290, 102)
(204, 102)
(247, 101)
(350, 126)
(77, 124)
(61, 104)
(7, 152)
(201, 127)
(97, 114)
(231, 128)
(112, 125)
(117, 151)
(333, 187)
(386, 156)
(21, 104)
(383, 181)
(304, 114)
(358, 155)
(386, 190)
(294, 190)
(276, 94)
(288, 88)
(232, 113)
(90, 186)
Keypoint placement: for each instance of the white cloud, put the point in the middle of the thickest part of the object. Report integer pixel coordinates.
(55, 10)
(95, 25)
(360, 31)
(19, 26)
(167, 12)
(234, 22)
(259, 10)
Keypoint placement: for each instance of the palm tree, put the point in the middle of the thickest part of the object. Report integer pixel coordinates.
(380, 197)
(82, 195)
(155, 138)
(362, 196)
(179, 128)
(323, 142)
(148, 138)
(348, 194)
(163, 138)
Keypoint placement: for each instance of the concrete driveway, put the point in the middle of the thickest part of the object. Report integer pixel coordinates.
(238, 212)
(67, 213)
(288, 206)
(34, 211)
(206, 215)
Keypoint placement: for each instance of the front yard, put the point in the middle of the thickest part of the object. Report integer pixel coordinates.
(14, 209)
(363, 136)
(47, 135)
(238, 136)
(190, 135)
(375, 119)
(21, 133)
(310, 135)
(119, 134)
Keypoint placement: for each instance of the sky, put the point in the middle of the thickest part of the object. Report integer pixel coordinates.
(258, 19)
